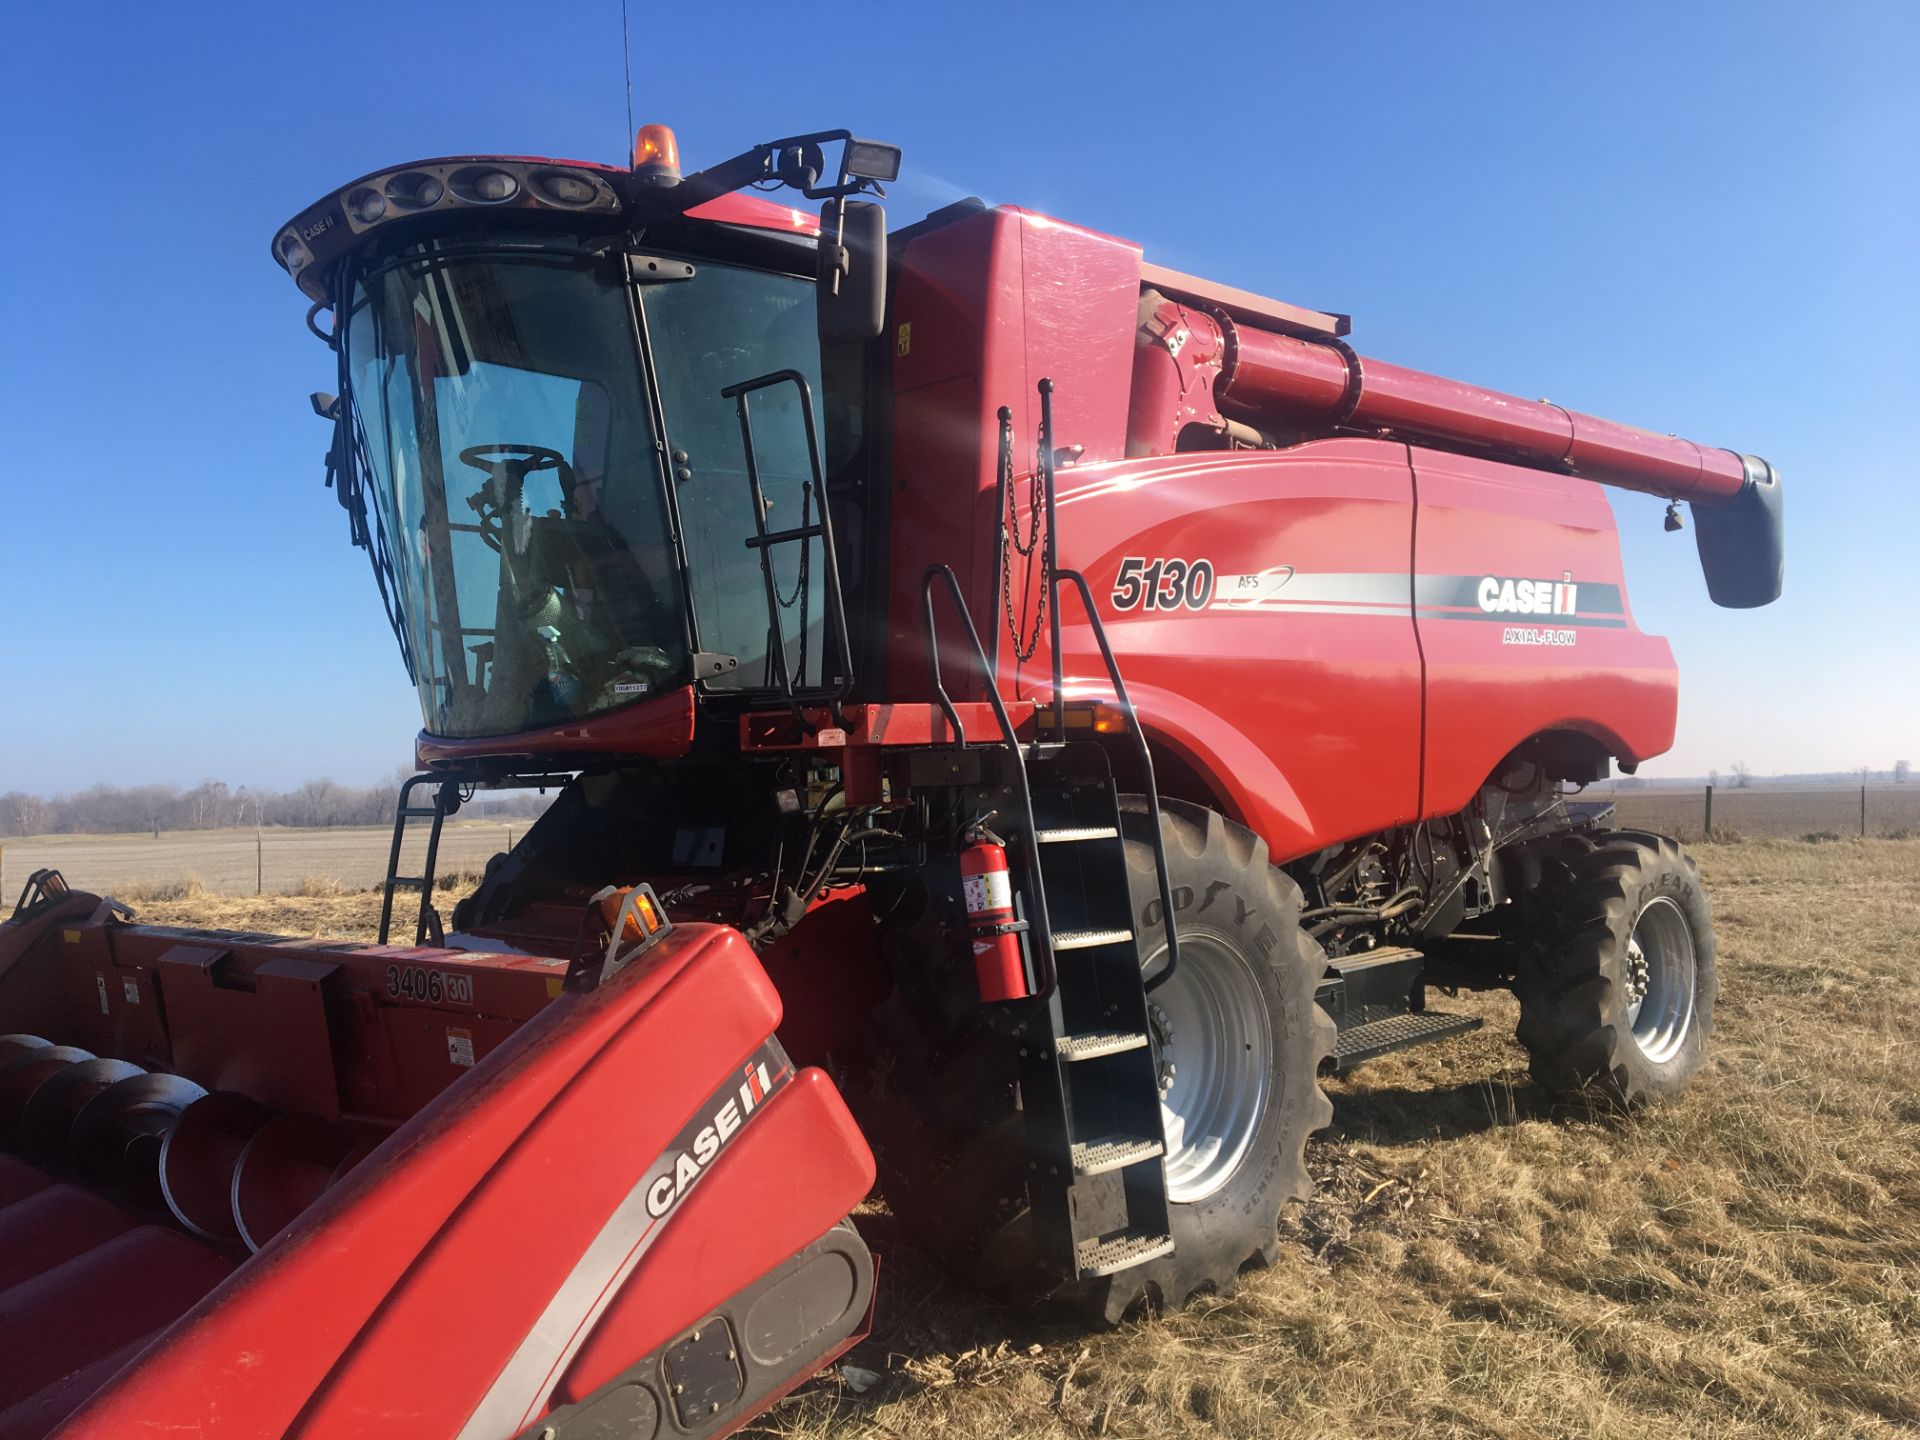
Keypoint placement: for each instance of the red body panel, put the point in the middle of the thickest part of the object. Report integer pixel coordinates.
(661, 727)
(1484, 695)
(1330, 686)
(1301, 706)
(1340, 677)
(984, 308)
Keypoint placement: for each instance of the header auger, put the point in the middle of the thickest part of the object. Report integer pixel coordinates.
(1029, 836)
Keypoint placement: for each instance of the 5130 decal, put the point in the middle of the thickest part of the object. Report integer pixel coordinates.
(1162, 584)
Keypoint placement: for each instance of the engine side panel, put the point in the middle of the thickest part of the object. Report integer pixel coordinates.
(1277, 652)
(1337, 672)
(1504, 663)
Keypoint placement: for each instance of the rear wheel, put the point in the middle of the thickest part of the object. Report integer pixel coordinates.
(1617, 982)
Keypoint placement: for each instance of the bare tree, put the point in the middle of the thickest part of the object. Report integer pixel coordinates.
(22, 814)
(1901, 769)
(1742, 775)
(1713, 777)
(208, 805)
(155, 809)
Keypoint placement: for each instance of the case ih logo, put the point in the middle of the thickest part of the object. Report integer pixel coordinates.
(727, 1119)
(1498, 596)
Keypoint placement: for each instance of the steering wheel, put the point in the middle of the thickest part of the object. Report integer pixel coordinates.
(537, 457)
(507, 468)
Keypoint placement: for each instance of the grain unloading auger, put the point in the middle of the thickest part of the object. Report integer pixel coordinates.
(683, 504)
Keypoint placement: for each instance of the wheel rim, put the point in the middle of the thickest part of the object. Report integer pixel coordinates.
(1660, 979)
(1215, 1054)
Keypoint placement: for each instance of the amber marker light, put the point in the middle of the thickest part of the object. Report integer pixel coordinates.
(656, 152)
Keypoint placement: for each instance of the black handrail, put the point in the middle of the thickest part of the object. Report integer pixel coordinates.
(1046, 973)
(425, 917)
(1052, 576)
(1049, 566)
(1003, 480)
(1125, 702)
(764, 541)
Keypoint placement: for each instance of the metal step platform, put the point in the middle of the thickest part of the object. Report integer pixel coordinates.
(1096, 1043)
(1105, 1255)
(1397, 1032)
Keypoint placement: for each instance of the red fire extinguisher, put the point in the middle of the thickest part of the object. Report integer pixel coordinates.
(999, 967)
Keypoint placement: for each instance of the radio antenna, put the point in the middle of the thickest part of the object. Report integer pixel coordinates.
(626, 54)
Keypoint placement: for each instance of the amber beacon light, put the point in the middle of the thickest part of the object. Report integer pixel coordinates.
(656, 152)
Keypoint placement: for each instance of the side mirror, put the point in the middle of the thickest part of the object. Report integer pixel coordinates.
(853, 271)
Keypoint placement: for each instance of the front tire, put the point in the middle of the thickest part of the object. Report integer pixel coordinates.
(948, 1133)
(1617, 984)
(1240, 1041)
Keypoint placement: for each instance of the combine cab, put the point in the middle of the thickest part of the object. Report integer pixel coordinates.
(1021, 715)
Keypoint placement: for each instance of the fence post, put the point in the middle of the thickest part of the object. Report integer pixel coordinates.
(1863, 812)
(259, 864)
(1709, 823)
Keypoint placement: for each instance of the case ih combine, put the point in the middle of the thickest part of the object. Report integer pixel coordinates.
(698, 508)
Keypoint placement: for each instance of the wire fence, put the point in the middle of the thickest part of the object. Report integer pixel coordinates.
(1761, 812)
(271, 861)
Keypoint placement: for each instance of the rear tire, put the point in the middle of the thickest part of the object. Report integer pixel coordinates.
(1617, 981)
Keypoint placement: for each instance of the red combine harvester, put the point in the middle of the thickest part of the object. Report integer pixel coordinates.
(695, 508)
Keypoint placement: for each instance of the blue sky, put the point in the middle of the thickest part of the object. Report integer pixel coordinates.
(1695, 218)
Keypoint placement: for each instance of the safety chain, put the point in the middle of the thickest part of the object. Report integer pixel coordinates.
(1023, 646)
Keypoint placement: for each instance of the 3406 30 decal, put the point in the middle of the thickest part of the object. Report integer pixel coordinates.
(435, 987)
(1162, 584)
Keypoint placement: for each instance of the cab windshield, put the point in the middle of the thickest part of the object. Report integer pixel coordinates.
(514, 473)
(519, 476)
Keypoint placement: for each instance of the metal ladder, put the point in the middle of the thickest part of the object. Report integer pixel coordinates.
(446, 800)
(1089, 1082)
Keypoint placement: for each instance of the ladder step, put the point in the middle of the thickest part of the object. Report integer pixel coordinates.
(1095, 1043)
(418, 812)
(1089, 939)
(1374, 959)
(1106, 1254)
(1113, 1152)
(1397, 1032)
(1070, 835)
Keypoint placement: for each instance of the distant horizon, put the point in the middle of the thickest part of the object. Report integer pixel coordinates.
(1875, 775)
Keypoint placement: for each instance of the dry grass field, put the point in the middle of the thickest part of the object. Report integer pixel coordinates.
(1480, 1262)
